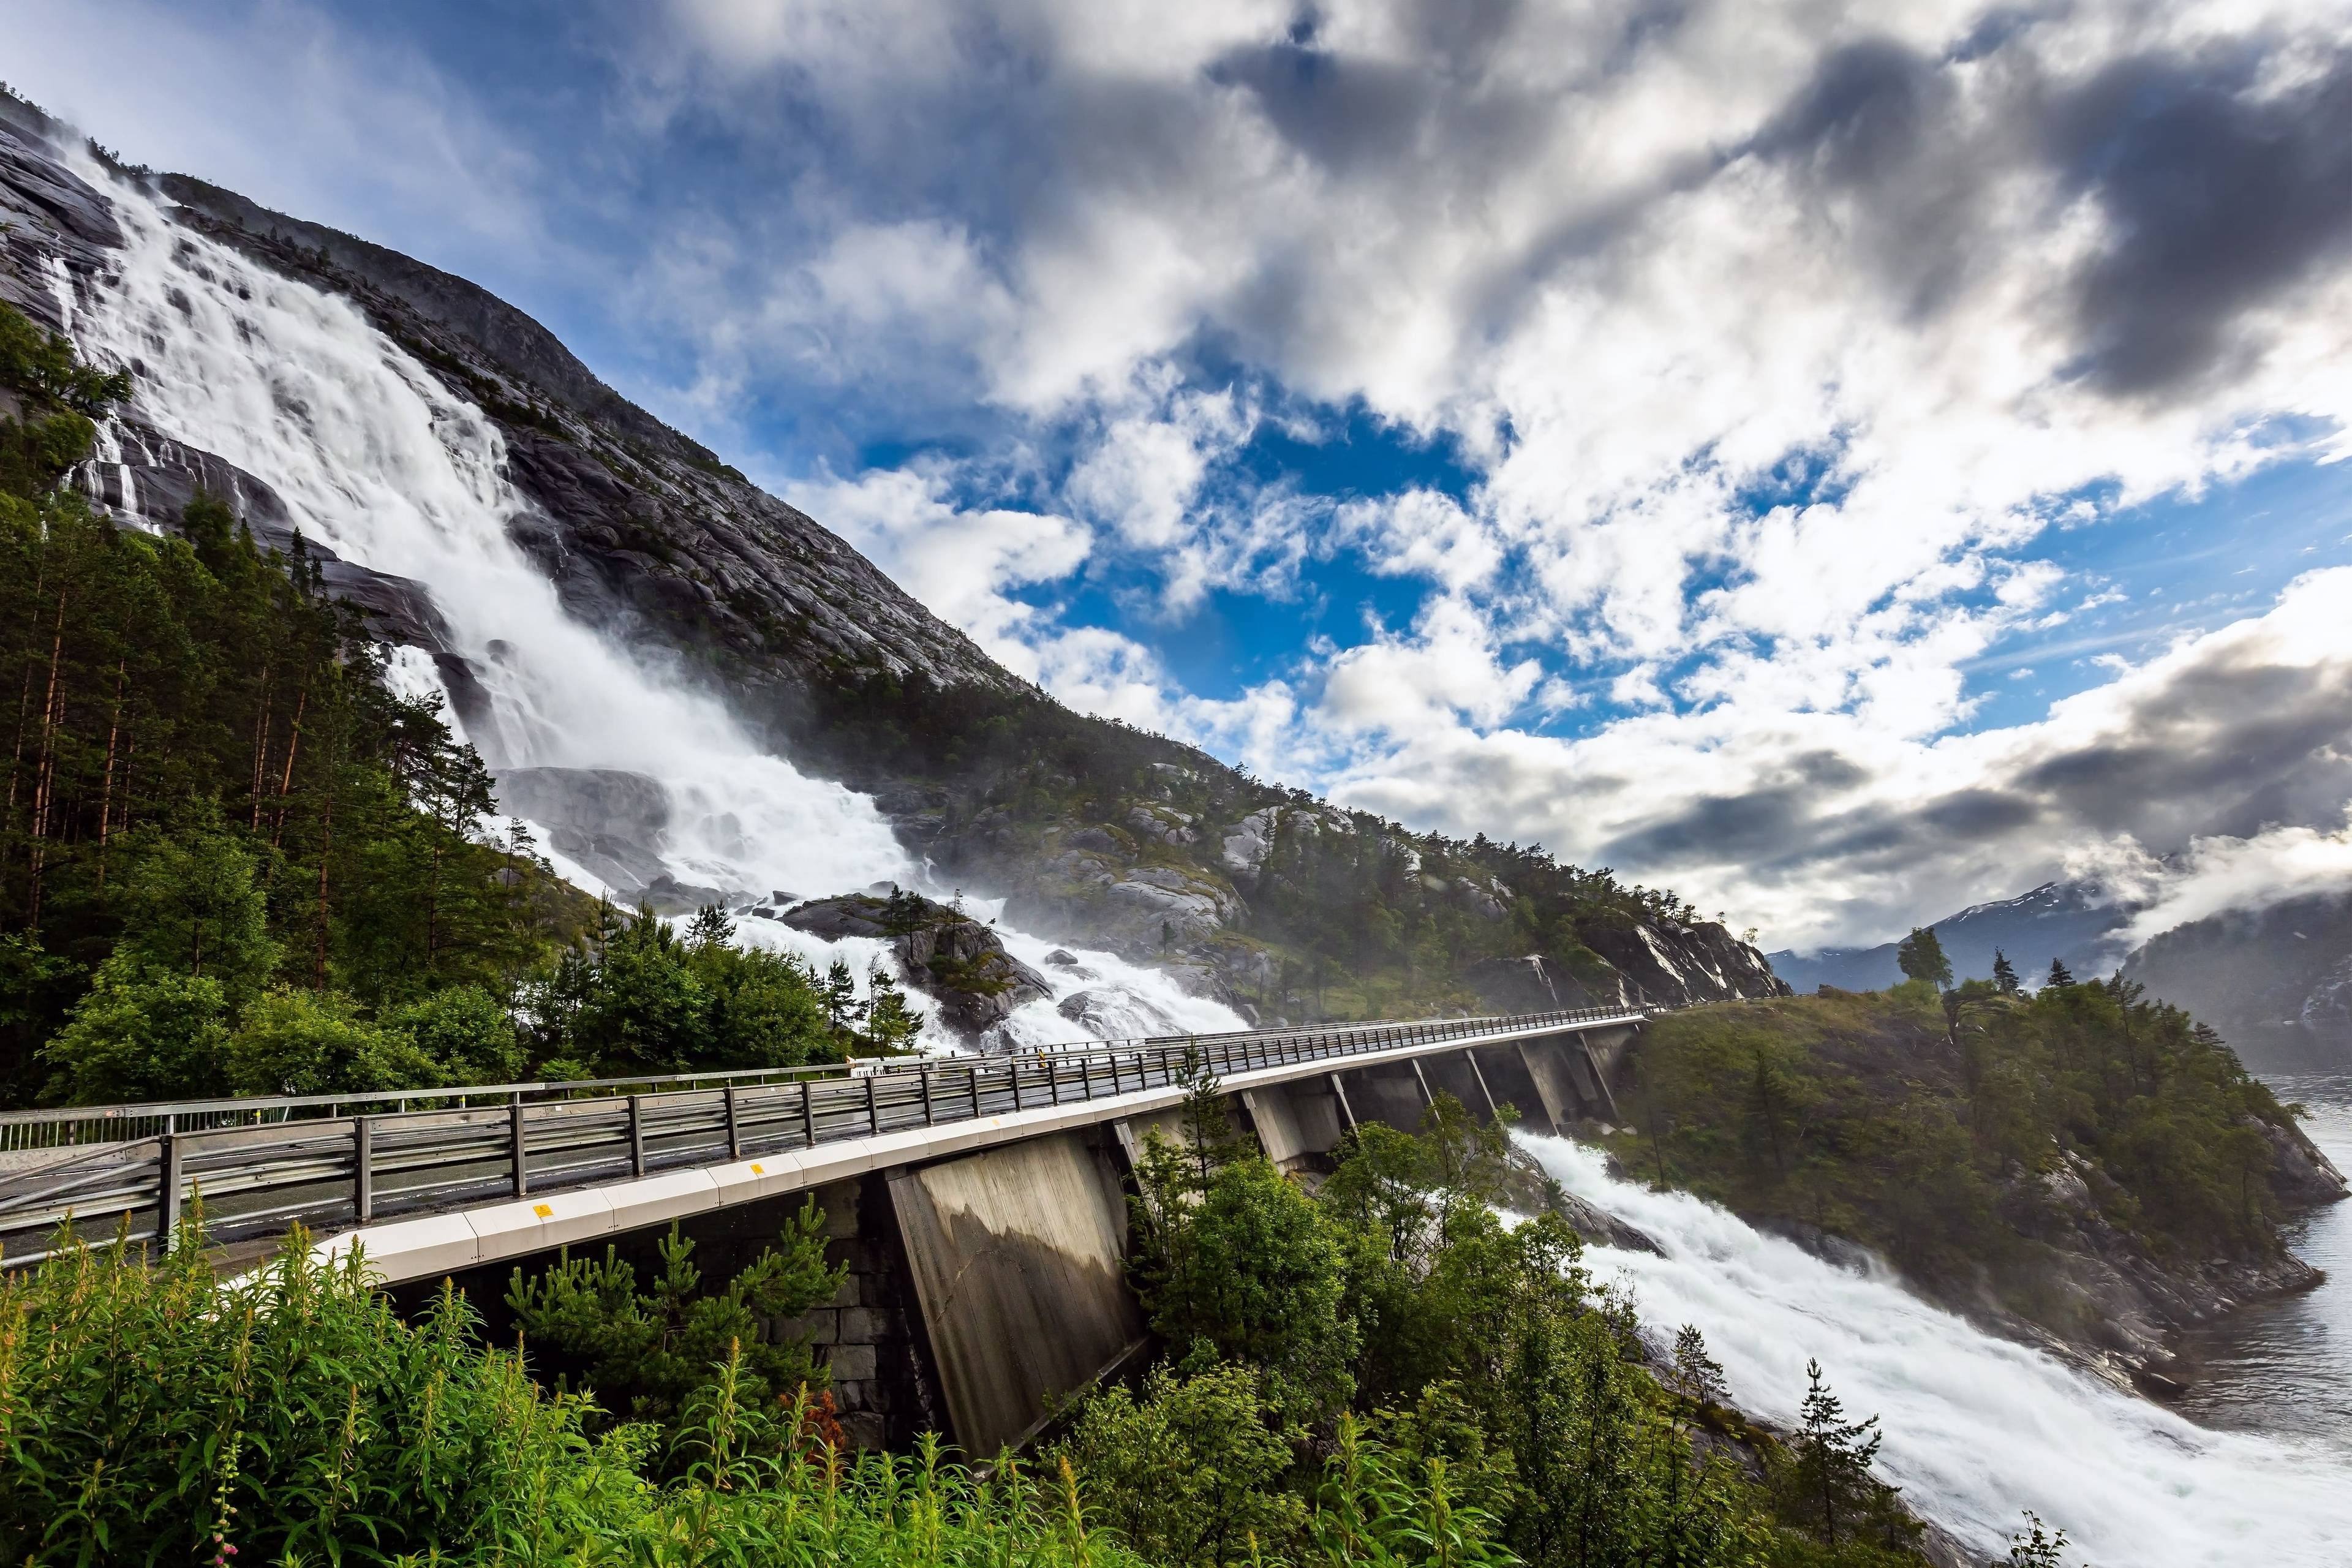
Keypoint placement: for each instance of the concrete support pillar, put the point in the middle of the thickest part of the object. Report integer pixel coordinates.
(1295, 1122)
(1018, 1259)
(1547, 1067)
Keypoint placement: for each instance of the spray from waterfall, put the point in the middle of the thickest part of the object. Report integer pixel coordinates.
(1978, 1428)
(376, 459)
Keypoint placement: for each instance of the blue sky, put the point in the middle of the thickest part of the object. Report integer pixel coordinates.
(1842, 462)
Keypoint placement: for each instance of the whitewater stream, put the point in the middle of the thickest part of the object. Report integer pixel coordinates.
(375, 459)
(1977, 1429)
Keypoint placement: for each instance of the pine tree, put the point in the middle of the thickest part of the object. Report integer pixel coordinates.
(709, 928)
(2059, 974)
(842, 1011)
(2004, 974)
(1921, 957)
(891, 1025)
(1832, 1474)
(1696, 1373)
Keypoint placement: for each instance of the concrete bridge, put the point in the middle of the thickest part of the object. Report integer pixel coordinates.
(978, 1201)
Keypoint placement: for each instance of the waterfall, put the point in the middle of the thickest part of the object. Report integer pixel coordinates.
(1976, 1429)
(379, 461)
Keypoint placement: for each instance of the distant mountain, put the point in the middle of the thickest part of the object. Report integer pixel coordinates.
(2057, 920)
(2276, 983)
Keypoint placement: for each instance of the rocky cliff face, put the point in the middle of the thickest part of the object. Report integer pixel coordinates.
(1094, 832)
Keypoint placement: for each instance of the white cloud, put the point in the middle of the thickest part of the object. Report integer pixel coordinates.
(2220, 873)
(961, 563)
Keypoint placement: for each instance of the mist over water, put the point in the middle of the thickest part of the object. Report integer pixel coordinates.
(378, 461)
(1976, 1429)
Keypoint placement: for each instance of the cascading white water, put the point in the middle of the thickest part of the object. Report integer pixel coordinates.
(1976, 1429)
(377, 460)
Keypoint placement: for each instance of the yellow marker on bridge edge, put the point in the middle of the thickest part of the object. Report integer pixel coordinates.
(759, 1170)
(543, 1211)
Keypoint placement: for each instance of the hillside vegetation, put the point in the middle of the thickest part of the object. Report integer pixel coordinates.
(2087, 1158)
(232, 860)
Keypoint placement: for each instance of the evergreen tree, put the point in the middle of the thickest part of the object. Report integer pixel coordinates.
(647, 1353)
(842, 1011)
(1921, 957)
(1828, 1482)
(2059, 974)
(1696, 1373)
(709, 928)
(891, 1025)
(2004, 974)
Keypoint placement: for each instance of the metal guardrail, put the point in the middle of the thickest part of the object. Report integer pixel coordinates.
(263, 1166)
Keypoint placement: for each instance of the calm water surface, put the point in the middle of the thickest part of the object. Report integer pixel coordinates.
(2286, 1367)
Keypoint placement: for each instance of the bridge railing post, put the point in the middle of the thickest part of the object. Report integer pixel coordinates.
(363, 1169)
(808, 1116)
(636, 1135)
(167, 1190)
(734, 1128)
(873, 1108)
(925, 1074)
(516, 1146)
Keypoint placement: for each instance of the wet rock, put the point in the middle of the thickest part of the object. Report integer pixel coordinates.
(950, 957)
(613, 823)
(1525, 984)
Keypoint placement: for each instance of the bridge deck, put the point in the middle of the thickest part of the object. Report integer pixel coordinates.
(441, 1182)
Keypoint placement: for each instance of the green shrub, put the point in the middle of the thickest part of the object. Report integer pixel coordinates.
(163, 1415)
(649, 1355)
(465, 1034)
(294, 1042)
(1191, 1474)
(140, 1033)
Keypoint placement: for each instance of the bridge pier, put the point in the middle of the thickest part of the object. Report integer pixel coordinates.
(1018, 1257)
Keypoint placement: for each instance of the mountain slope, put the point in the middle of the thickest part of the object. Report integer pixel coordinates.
(1091, 830)
(2276, 983)
(2065, 921)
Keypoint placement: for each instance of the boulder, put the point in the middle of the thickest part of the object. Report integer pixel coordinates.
(954, 959)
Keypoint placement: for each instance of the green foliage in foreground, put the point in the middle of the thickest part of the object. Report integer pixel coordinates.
(1923, 1125)
(164, 1415)
(648, 1354)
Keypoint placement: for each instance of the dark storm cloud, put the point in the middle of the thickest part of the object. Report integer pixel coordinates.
(2221, 196)
(1882, 146)
(2230, 745)
(1760, 822)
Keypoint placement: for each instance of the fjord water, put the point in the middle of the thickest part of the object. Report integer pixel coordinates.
(1976, 1429)
(375, 459)
(2286, 1366)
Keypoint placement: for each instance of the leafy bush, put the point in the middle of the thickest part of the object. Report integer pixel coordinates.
(142, 1032)
(649, 1355)
(294, 1042)
(163, 1415)
(1191, 1474)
